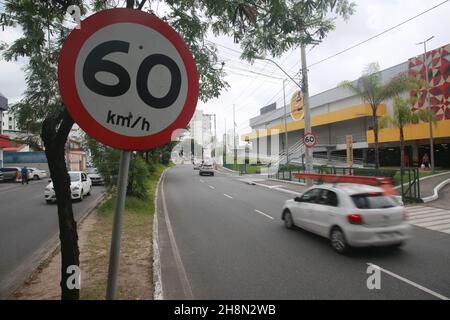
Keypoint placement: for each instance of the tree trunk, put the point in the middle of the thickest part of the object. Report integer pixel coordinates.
(375, 134)
(55, 131)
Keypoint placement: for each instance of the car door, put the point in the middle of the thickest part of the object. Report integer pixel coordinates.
(303, 207)
(85, 183)
(325, 209)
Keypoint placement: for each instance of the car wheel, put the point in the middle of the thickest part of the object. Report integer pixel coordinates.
(89, 193)
(288, 221)
(81, 195)
(48, 201)
(338, 241)
(36, 177)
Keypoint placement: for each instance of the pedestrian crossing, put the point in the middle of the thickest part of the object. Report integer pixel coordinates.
(429, 217)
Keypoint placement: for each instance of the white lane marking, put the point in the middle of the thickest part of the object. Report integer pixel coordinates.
(416, 285)
(211, 187)
(264, 214)
(425, 212)
(432, 223)
(440, 227)
(228, 196)
(431, 217)
(202, 181)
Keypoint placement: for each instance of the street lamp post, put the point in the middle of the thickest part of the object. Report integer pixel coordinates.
(427, 100)
(286, 145)
(307, 117)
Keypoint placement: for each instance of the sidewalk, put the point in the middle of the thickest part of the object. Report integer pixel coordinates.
(427, 185)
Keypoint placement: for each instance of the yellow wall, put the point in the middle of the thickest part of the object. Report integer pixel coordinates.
(353, 112)
(412, 132)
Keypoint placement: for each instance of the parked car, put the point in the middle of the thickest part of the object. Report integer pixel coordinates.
(80, 186)
(11, 174)
(96, 178)
(1, 176)
(36, 174)
(350, 215)
(206, 168)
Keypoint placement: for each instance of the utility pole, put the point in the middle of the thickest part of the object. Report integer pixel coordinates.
(286, 145)
(427, 100)
(307, 117)
(234, 135)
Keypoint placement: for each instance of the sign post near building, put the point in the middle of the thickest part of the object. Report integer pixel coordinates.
(129, 81)
(349, 142)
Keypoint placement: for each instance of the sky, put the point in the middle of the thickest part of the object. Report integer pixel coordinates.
(249, 92)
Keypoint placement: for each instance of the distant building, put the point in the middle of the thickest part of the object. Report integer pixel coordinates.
(201, 131)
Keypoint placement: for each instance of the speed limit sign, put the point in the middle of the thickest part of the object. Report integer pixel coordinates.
(309, 140)
(128, 79)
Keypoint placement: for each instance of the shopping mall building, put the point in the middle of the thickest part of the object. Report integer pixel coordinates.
(337, 113)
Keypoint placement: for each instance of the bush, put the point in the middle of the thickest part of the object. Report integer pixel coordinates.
(138, 177)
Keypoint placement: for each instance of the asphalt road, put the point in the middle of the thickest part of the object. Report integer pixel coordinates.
(28, 228)
(231, 244)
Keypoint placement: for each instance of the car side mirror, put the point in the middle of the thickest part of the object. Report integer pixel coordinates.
(298, 199)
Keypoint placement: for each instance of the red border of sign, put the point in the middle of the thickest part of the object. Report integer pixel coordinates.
(315, 140)
(67, 86)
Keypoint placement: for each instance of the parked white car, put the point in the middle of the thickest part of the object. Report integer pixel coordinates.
(350, 215)
(36, 174)
(80, 186)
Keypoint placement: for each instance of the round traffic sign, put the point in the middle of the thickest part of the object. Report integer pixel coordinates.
(310, 140)
(297, 104)
(128, 79)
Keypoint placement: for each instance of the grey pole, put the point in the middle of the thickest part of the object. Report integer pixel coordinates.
(307, 117)
(427, 99)
(285, 126)
(234, 136)
(117, 227)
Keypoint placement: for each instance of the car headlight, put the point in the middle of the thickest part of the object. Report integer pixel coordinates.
(48, 188)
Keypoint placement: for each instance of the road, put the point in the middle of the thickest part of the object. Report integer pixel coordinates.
(229, 243)
(28, 228)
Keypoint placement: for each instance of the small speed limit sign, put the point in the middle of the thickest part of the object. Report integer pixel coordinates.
(128, 79)
(309, 140)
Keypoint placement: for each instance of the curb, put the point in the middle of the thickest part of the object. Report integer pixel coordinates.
(157, 277)
(272, 188)
(435, 195)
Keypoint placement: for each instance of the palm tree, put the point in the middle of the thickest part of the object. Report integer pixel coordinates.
(371, 90)
(404, 116)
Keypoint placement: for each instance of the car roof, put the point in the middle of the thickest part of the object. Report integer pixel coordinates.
(351, 188)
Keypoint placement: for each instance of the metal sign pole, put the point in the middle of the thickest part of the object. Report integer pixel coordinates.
(117, 227)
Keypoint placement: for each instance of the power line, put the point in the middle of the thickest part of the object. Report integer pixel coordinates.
(377, 35)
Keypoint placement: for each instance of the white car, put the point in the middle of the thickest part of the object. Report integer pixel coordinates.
(80, 186)
(350, 215)
(206, 168)
(36, 174)
(95, 176)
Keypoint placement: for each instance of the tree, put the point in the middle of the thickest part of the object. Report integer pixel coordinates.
(370, 88)
(404, 116)
(261, 27)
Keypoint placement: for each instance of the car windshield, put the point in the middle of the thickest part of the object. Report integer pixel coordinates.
(373, 201)
(74, 176)
(91, 170)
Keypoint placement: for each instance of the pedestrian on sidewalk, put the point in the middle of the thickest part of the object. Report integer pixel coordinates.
(24, 173)
(425, 161)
